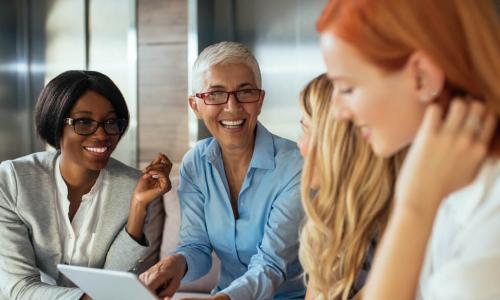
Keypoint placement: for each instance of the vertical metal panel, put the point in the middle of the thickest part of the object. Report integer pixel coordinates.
(40, 39)
(56, 44)
(192, 54)
(15, 129)
(113, 51)
(282, 35)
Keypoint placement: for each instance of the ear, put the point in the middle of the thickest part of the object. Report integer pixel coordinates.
(428, 77)
(194, 106)
(261, 101)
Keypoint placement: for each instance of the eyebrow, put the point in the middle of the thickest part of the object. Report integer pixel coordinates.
(87, 112)
(219, 86)
(338, 77)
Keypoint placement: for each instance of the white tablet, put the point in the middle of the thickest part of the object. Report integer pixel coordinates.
(102, 284)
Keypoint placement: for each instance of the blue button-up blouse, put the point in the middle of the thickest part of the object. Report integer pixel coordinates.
(258, 251)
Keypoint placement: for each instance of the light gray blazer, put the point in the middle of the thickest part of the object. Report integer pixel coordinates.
(29, 239)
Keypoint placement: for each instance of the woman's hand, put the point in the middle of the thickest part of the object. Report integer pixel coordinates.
(165, 277)
(153, 184)
(154, 181)
(446, 154)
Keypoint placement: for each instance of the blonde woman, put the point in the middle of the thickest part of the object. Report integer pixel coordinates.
(349, 209)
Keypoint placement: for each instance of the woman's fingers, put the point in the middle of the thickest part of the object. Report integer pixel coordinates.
(455, 117)
(452, 149)
(171, 287)
(159, 279)
(489, 125)
(432, 118)
(473, 121)
(160, 161)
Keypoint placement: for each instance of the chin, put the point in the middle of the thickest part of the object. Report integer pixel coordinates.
(97, 165)
(383, 150)
(386, 150)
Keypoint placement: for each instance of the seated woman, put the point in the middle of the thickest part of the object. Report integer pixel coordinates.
(418, 72)
(348, 209)
(75, 205)
(239, 190)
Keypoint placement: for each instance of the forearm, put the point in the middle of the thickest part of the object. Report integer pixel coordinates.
(33, 288)
(136, 219)
(198, 262)
(399, 258)
(125, 254)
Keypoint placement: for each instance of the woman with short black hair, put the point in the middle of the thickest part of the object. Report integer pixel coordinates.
(76, 205)
(57, 99)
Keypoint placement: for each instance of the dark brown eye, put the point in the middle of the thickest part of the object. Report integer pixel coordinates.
(83, 121)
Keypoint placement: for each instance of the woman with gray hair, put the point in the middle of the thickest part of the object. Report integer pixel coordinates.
(239, 190)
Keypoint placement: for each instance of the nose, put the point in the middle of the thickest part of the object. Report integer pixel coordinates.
(100, 133)
(341, 110)
(232, 104)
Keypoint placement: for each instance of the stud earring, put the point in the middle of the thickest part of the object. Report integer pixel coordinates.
(428, 97)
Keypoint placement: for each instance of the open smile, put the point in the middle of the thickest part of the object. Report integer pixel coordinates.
(101, 151)
(232, 124)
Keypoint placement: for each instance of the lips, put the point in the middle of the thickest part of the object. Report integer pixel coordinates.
(98, 151)
(232, 124)
(365, 132)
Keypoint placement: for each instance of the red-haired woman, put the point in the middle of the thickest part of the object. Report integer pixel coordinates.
(426, 73)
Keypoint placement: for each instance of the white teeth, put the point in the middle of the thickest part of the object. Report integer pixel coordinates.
(232, 123)
(97, 150)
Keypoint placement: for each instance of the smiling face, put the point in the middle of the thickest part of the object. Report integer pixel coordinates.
(385, 106)
(232, 124)
(90, 152)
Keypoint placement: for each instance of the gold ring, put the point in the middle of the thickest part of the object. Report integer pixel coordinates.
(473, 124)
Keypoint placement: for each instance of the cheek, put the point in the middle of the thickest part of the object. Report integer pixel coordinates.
(115, 139)
(303, 144)
(209, 113)
(368, 105)
(252, 109)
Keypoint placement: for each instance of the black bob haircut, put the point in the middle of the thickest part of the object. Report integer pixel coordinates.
(60, 95)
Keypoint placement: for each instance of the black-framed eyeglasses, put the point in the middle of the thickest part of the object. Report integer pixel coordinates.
(222, 97)
(86, 126)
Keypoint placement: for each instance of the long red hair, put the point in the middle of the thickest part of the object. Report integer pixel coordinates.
(461, 36)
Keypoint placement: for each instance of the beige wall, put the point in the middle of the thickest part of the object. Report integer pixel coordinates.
(162, 79)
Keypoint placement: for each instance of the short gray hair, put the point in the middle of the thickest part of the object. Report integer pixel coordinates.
(223, 53)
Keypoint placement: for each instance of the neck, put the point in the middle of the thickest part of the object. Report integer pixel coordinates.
(238, 158)
(78, 179)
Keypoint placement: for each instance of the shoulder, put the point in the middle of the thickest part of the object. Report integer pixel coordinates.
(474, 209)
(194, 156)
(35, 164)
(287, 156)
(27, 174)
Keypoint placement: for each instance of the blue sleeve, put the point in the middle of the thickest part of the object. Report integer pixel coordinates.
(194, 242)
(278, 250)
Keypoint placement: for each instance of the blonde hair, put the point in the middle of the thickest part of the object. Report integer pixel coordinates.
(351, 206)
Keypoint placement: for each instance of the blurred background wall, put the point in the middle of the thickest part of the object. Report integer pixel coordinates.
(147, 48)
(40, 39)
